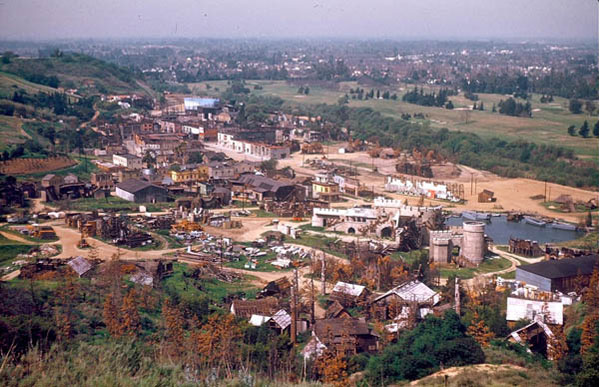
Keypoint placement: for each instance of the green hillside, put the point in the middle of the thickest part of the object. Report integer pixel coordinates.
(88, 75)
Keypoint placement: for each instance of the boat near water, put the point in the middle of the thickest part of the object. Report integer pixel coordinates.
(473, 215)
(563, 226)
(534, 221)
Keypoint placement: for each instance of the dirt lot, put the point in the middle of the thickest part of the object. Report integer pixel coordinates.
(512, 194)
(22, 166)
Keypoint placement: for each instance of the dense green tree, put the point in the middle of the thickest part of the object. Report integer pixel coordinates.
(575, 106)
(584, 131)
(596, 129)
(420, 352)
(571, 130)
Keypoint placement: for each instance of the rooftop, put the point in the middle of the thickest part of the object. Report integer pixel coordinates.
(561, 268)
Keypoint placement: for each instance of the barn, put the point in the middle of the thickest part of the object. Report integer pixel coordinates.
(558, 275)
(140, 191)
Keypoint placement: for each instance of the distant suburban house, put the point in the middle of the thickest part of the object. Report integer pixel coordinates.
(558, 275)
(140, 191)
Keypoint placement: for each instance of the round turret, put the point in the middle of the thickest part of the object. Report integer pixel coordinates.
(473, 245)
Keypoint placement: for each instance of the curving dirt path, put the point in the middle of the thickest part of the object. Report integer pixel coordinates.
(17, 238)
(69, 238)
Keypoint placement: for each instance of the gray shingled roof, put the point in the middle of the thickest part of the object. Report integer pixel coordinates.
(262, 183)
(561, 268)
(80, 265)
(133, 185)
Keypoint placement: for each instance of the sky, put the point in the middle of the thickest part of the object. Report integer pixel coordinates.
(396, 19)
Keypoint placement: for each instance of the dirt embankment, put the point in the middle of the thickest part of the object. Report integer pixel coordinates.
(29, 165)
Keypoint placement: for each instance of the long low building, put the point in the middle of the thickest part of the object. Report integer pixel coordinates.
(558, 275)
(140, 191)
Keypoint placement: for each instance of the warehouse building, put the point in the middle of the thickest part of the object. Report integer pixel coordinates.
(140, 191)
(558, 275)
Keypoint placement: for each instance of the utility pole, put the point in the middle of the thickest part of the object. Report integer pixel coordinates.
(294, 306)
(456, 296)
(471, 183)
(312, 299)
(323, 287)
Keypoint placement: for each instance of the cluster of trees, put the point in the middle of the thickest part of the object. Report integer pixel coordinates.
(471, 96)
(510, 107)
(304, 90)
(59, 103)
(584, 130)
(579, 84)
(332, 70)
(478, 107)
(418, 97)
(576, 105)
(433, 343)
(360, 94)
(28, 148)
(546, 98)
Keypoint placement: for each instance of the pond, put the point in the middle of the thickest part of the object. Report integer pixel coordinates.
(500, 230)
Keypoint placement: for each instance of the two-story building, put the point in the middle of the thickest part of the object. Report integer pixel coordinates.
(128, 161)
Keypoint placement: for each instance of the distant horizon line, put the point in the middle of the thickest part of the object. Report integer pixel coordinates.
(313, 38)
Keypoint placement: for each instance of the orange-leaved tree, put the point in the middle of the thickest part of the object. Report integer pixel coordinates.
(130, 317)
(332, 368)
(479, 331)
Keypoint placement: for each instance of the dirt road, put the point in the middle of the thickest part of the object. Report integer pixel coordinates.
(69, 238)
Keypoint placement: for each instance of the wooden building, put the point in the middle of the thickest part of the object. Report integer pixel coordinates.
(486, 196)
(349, 295)
(561, 275)
(346, 335)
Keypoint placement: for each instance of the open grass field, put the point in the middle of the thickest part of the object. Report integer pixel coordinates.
(548, 125)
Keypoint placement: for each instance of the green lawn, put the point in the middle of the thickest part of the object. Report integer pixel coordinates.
(318, 242)
(112, 203)
(263, 214)
(489, 265)
(215, 290)
(6, 228)
(9, 250)
(588, 241)
(262, 263)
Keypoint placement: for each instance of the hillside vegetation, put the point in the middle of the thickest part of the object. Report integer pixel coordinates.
(69, 71)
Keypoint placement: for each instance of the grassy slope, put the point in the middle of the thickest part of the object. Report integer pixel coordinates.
(9, 83)
(72, 71)
(11, 131)
(548, 125)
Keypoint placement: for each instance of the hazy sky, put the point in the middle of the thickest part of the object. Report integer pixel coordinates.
(465, 19)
